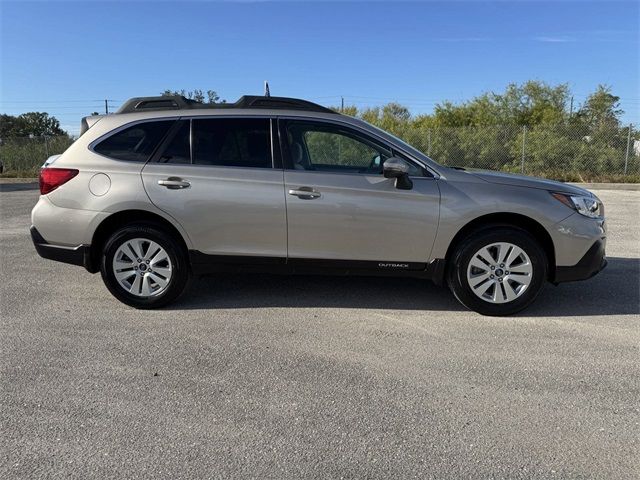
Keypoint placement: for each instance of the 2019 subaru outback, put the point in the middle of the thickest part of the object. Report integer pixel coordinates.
(168, 188)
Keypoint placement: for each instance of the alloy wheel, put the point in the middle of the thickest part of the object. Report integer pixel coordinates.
(499, 273)
(142, 267)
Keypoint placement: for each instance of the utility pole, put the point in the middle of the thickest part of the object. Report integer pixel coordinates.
(571, 108)
(524, 142)
(341, 104)
(106, 107)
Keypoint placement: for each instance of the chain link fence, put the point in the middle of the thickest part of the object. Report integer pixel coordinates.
(560, 152)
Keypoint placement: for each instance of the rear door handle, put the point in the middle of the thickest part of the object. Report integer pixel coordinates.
(174, 183)
(305, 193)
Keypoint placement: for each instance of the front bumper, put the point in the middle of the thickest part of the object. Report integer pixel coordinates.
(79, 255)
(589, 265)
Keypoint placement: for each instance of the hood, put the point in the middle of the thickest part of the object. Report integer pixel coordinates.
(530, 182)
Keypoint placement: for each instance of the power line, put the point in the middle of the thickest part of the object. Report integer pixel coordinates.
(58, 101)
(75, 107)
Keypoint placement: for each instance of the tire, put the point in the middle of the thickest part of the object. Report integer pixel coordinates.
(497, 291)
(165, 273)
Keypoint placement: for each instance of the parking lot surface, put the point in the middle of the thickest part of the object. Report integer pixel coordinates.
(316, 377)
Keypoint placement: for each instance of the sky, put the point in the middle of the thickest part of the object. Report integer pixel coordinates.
(65, 58)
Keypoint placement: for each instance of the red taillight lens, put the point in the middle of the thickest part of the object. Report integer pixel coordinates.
(52, 178)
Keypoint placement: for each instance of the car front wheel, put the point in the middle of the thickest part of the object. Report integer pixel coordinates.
(497, 271)
(144, 267)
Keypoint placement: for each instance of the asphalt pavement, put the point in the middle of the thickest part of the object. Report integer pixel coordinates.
(258, 376)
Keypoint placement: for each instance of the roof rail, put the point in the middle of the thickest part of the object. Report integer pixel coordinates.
(177, 102)
(174, 102)
(255, 101)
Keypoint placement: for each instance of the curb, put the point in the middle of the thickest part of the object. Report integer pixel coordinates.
(608, 186)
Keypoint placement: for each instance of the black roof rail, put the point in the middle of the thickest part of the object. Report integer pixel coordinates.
(139, 104)
(177, 102)
(255, 101)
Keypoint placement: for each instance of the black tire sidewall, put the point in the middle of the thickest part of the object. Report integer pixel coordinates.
(457, 270)
(180, 268)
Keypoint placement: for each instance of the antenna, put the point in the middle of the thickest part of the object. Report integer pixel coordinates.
(267, 93)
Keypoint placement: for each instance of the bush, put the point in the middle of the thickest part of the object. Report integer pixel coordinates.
(23, 156)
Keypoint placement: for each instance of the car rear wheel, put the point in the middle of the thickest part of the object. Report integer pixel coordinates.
(497, 271)
(144, 267)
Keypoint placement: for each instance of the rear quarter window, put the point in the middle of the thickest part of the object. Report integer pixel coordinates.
(238, 142)
(135, 143)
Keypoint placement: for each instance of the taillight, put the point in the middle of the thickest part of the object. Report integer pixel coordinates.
(52, 178)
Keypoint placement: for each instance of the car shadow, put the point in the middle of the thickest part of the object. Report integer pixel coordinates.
(615, 291)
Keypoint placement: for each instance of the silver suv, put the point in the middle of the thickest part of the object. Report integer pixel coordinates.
(167, 189)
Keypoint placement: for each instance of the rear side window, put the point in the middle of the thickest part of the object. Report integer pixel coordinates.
(231, 142)
(136, 143)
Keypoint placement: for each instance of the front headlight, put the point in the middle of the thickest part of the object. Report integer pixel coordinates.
(585, 205)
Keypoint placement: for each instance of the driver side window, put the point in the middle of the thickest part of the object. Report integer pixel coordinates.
(332, 148)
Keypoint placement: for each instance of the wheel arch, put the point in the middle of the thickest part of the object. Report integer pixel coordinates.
(119, 220)
(506, 219)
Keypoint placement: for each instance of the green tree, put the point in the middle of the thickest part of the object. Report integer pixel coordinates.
(9, 126)
(209, 96)
(30, 124)
(601, 109)
(531, 103)
(40, 123)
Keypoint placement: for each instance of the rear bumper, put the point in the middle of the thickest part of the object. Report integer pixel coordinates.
(79, 255)
(589, 265)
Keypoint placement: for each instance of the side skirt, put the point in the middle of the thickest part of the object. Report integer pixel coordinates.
(202, 264)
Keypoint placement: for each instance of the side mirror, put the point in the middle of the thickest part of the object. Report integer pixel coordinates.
(397, 168)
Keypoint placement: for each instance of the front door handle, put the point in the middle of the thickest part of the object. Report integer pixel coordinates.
(304, 193)
(174, 183)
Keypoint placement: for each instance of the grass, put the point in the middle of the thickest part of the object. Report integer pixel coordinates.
(23, 157)
(31, 173)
